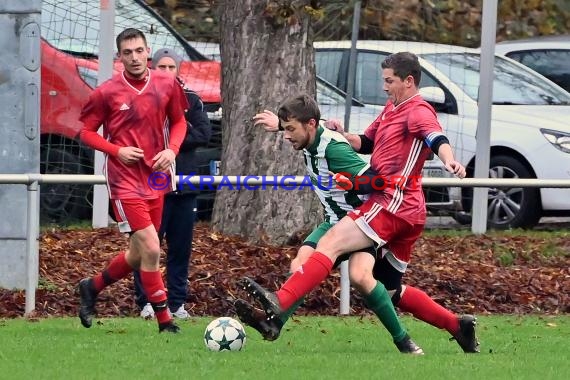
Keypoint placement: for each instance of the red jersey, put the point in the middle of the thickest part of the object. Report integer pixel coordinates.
(151, 119)
(400, 152)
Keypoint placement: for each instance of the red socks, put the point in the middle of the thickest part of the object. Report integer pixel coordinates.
(153, 287)
(117, 269)
(426, 309)
(307, 277)
(152, 284)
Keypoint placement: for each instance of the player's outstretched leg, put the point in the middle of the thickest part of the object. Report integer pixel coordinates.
(87, 299)
(268, 300)
(408, 346)
(269, 328)
(466, 336)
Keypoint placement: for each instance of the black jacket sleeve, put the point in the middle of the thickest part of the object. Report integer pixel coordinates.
(199, 128)
(367, 182)
(366, 145)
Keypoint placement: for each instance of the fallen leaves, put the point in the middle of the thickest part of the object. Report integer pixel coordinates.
(465, 274)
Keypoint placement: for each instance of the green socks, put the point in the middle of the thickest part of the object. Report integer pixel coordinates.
(289, 312)
(380, 303)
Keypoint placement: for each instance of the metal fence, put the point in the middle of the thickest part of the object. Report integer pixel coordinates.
(33, 181)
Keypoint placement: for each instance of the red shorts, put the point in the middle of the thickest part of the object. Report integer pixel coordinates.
(136, 214)
(393, 234)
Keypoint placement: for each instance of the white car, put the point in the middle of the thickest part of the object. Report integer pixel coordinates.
(332, 102)
(548, 55)
(530, 127)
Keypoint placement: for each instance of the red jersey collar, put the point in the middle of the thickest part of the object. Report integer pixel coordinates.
(137, 84)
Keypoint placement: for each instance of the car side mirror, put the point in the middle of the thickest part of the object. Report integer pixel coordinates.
(433, 95)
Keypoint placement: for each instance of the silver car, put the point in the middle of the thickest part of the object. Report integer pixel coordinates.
(547, 55)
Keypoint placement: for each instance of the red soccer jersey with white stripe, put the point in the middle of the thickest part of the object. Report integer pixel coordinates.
(137, 118)
(399, 152)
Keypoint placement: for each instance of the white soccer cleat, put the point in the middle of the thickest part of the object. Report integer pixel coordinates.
(181, 313)
(147, 312)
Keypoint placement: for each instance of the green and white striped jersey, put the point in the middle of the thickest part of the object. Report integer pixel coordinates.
(331, 152)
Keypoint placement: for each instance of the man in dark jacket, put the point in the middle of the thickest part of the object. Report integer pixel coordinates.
(179, 206)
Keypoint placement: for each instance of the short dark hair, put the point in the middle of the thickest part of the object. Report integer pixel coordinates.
(301, 107)
(129, 34)
(404, 64)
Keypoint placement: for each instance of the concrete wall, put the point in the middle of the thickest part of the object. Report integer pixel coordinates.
(19, 129)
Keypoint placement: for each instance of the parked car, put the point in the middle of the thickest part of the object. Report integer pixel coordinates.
(548, 55)
(69, 69)
(530, 132)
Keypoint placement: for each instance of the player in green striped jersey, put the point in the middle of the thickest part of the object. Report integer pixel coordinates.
(324, 152)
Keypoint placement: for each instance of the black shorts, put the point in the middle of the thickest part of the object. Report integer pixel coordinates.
(385, 272)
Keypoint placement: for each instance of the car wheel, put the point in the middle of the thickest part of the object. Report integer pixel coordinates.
(508, 207)
(60, 203)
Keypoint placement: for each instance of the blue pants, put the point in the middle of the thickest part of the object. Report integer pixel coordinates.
(177, 225)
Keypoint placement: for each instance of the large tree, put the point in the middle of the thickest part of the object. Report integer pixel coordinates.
(267, 55)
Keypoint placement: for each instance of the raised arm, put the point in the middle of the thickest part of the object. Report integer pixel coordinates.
(268, 120)
(360, 143)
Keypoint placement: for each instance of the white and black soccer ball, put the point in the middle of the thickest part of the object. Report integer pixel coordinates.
(224, 334)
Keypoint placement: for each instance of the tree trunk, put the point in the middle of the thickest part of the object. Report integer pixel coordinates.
(267, 55)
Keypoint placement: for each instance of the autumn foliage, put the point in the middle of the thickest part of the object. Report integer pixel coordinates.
(508, 274)
(442, 21)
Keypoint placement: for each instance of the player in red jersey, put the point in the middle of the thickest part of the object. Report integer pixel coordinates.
(400, 140)
(142, 113)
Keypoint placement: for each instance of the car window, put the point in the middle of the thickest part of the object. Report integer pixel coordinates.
(73, 25)
(368, 86)
(512, 85)
(328, 65)
(327, 96)
(428, 81)
(368, 81)
(553, 64)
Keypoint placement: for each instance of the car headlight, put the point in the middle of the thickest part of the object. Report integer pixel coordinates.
(560, 140)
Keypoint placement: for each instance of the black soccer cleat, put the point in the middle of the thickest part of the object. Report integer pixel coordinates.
(466, 336)
(269, 328)
(169, 327)
(408, 346)
(87, 299)
(268, 300)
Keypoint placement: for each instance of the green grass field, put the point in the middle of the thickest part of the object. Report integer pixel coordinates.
(512, 347)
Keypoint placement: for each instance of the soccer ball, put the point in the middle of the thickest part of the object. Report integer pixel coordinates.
(224, 334)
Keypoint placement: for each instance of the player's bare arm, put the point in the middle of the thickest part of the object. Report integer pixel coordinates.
(353, 140)
(268, 120)
(445, 154)
(163, 160)
(334, 125)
